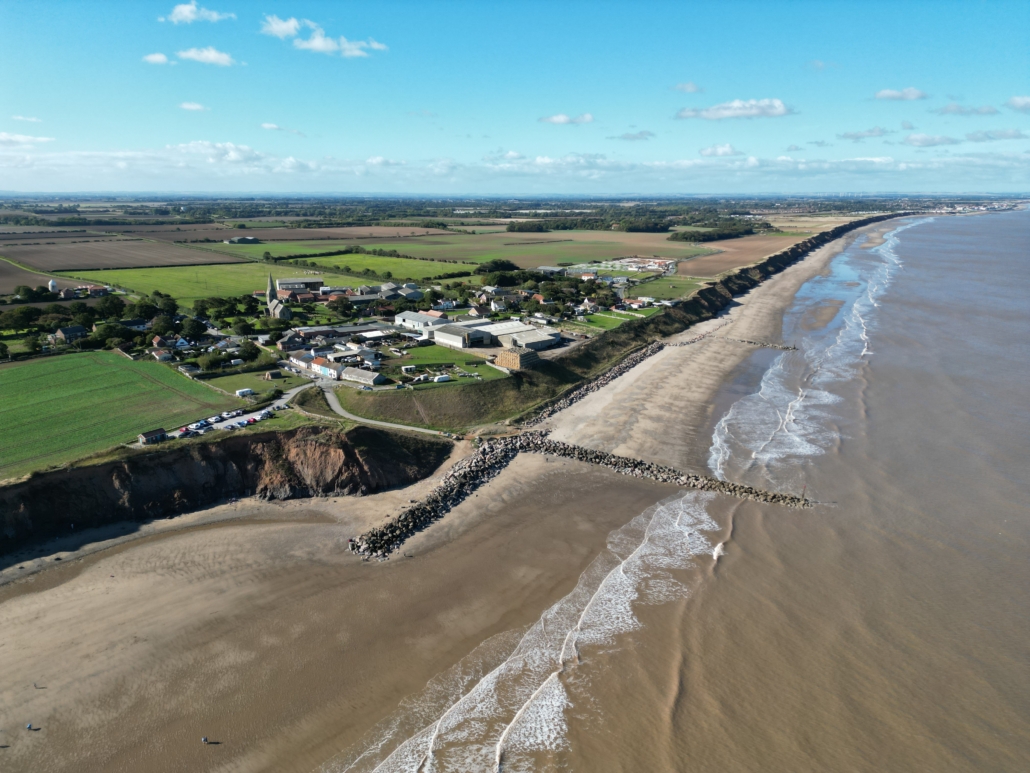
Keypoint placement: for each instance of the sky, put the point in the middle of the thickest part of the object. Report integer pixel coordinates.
(515, 98)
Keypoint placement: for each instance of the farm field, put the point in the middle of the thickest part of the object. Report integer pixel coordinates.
(734, 253)
(119, 253)
(58, 409)
(666, 288)
(188, 283)
(529, 250)
(256, 382)
(350, 234)
(11, 276)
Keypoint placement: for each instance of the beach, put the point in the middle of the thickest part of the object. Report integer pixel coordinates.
(254, 626)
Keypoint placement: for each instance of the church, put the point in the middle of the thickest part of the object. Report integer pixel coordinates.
(276, 308)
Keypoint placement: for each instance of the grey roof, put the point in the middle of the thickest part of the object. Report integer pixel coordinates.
(359, 375)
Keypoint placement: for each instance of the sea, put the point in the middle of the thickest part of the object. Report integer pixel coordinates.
(885, 629)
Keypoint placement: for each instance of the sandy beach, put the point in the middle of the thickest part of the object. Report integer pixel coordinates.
(253, 625)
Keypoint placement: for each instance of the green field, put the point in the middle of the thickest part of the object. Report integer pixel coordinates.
(256, 382)
(668, 288)
(62, 408)
(527, 250)
(188, 283)
(428, 357)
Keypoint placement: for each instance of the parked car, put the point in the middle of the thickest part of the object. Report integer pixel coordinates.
(228, 414)
(214, 420)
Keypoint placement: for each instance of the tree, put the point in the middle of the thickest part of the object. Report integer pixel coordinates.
(32, 344)
(3, 351)
(20, 318)
(250, 304)
(168, 305)
(142, 309)
(209, 361)
(249, 351)
(243, 328)
(163, 325)
(193, 329)
(110, 307)
(107, 331)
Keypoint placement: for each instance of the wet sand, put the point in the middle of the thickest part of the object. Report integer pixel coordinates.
(255, 627)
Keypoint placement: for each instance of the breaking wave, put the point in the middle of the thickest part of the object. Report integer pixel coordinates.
(507, 700)
(762, 436)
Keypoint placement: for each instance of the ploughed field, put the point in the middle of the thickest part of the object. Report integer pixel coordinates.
(734, 253)
(58, 409)
(12, 276)
(188, 283)
(64, 255)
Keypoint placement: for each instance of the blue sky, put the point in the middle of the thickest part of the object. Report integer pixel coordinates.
(516, 98)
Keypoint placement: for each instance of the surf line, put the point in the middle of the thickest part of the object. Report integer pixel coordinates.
(495, 455)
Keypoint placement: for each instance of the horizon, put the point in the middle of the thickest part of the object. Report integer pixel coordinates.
(215, 98)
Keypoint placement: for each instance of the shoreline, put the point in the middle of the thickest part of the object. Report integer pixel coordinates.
(266, 634)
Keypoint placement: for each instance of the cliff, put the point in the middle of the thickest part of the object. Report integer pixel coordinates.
(306, 462)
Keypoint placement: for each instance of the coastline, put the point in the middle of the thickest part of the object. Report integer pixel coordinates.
(265, 634)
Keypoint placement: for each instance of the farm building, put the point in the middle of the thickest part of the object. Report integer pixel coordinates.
(366, 377)
(536, 339)
(517, 359)
(552, 270)
(154, 436)
(413, 320)
(303, 284)
(453, 336)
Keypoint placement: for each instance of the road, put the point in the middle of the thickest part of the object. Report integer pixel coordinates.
(334, 403)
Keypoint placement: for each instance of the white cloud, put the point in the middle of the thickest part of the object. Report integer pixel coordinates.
(187, 13)
(956, 109)
(739, 108)
(280, 28)
(209, 55)
(318, 41)
(194, 106)
(999, 134)
(634, 136)
(272, 127)
(720, 150)
(13, 140)
(381, 161)
(561, 118)
(155, 59)
(929, 140)
(905, 94)
(25, 118)
(688, 88)
(794, 148)
(907, 126)
(876, 131)
(1022, 104)
(513, 155)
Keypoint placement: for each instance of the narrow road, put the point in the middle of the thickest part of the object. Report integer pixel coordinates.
(334, 403)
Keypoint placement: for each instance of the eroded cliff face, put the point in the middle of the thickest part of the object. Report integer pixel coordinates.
(307, 462)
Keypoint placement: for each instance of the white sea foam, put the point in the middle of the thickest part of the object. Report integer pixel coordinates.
(789, 417)
(500, 717)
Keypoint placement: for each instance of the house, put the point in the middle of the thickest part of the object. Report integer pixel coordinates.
(588, 275)
(70, 333)
(324, 367)
(179, 343)
(158, 341)
(444, 305)
(95, 291)
(139, 325)
(517, 359)
(305, 297)
(491, 290)
(479, 311)
(365, 377)
(162, 355)
(437, 313)
(286, 295)
(289, 341)
(67, 294)
(496, 305)
(153, 436)
(539, 298)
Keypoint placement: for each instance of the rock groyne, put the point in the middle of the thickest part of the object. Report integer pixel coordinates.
(494, 455)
